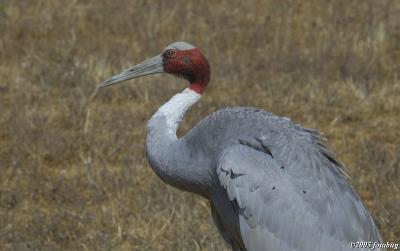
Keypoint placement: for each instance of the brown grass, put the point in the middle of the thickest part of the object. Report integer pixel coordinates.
(73, 171)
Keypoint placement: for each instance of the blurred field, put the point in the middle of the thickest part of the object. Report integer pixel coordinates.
(73, 170)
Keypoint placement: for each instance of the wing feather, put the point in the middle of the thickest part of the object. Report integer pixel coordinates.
(306, 205)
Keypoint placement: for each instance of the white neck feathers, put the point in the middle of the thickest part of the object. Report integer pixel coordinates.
(176, 107)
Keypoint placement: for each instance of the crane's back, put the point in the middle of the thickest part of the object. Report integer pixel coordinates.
(305, 163)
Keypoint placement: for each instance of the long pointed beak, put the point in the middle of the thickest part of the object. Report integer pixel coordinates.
(150, 66)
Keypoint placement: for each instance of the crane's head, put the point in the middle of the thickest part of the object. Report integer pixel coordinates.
(180, 58)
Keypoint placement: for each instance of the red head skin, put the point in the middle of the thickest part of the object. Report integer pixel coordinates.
(191, 65)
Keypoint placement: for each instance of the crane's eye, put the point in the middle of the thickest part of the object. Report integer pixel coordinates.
(170, 53)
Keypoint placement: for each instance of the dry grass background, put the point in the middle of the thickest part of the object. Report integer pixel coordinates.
(73, 171)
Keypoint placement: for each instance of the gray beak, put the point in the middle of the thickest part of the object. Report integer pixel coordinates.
(147, 67)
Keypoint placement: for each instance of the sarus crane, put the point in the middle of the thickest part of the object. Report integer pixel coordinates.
(271, 183)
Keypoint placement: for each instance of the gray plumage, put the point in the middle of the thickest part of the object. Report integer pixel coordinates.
(272, 184)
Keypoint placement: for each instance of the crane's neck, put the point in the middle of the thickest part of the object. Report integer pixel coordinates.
(172, 113)
(168, 156)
